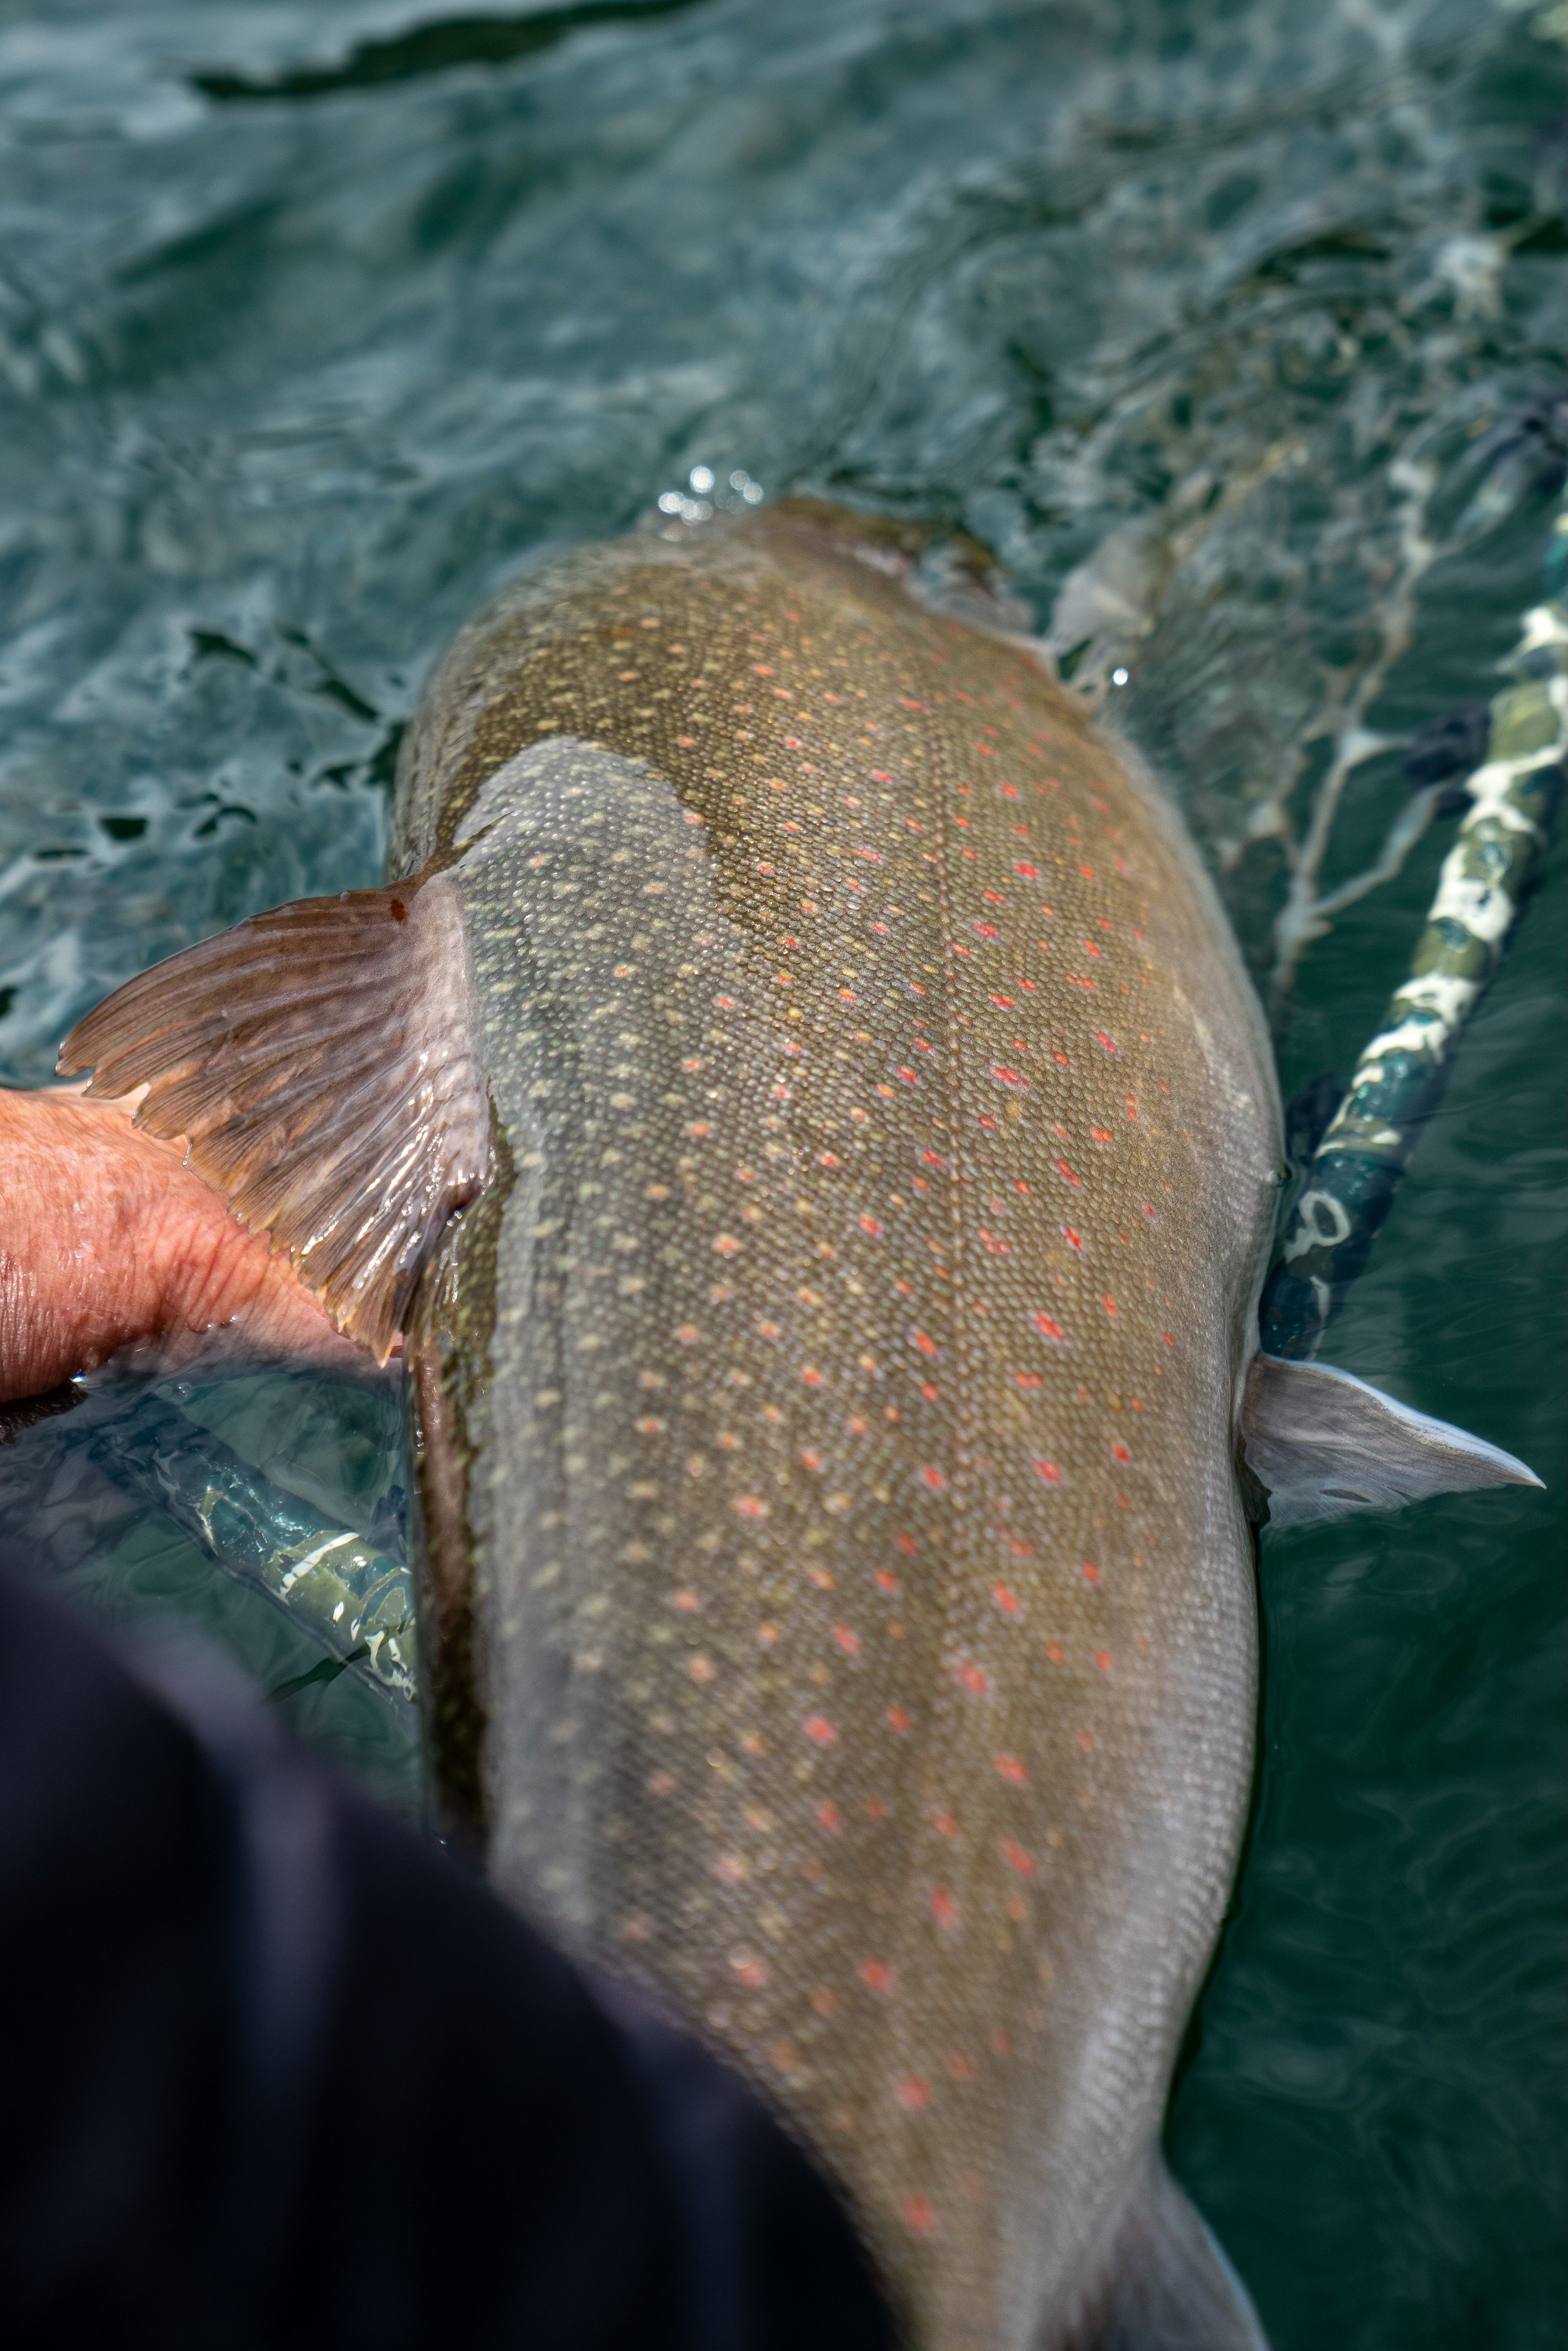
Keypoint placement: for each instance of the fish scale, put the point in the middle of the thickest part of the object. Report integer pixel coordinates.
(862, 1613)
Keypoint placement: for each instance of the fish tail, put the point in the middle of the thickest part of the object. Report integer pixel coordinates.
(1163, 2284)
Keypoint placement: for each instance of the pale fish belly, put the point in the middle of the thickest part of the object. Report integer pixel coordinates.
(828, 1407)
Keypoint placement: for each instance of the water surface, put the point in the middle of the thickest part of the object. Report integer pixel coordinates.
(1236, 329)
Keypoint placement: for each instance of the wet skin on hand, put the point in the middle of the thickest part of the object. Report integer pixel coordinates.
(107, 1239)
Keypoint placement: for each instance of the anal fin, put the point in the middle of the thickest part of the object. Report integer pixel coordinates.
(1164, 2284)
(1321, 1443)
(319, 1061)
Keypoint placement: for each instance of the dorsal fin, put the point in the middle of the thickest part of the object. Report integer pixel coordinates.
(319, 1061)
(1321, 1443)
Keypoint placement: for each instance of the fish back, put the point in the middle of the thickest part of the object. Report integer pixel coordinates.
(828, 1409)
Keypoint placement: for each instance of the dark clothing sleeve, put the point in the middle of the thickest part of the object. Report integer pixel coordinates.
(279, 2073)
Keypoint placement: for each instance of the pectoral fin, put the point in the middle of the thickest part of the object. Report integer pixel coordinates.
(1321, 1443)
(1164, 2284)
(320, 1061)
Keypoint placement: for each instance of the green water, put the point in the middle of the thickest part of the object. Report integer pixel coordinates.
(1237, 330)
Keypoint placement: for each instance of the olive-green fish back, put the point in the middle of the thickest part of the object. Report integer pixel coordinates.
(828, 1407)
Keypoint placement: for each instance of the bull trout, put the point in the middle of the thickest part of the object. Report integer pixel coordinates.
(838, 1603)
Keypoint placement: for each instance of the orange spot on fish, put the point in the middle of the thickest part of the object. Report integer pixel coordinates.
(751, 1971)
(1110, 1305)
(1048, 1470)
(1086, 1741)
(701, 1670)
(918, 2212)
(1050, 1328)
(819, 1730)
(933, 1478)
(1053, 1650)
(877, 1976)
(1103, 1659)
(1090, 1573)
(830, 1819)
(887, 1581)
(1065, 1171)
(1119, 1452)
(1006, 1599)
(750, 1505)
(944, 1910)
(847, 1640)
(1014, 1854)
(913, 2095)
(870, 1225)
(897, 1719)
(1012, 1770)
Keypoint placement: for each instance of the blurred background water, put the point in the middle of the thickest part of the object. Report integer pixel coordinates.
(1235, 328)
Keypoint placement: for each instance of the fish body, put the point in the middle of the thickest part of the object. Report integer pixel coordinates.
(842, 1604)
(803, 1110)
